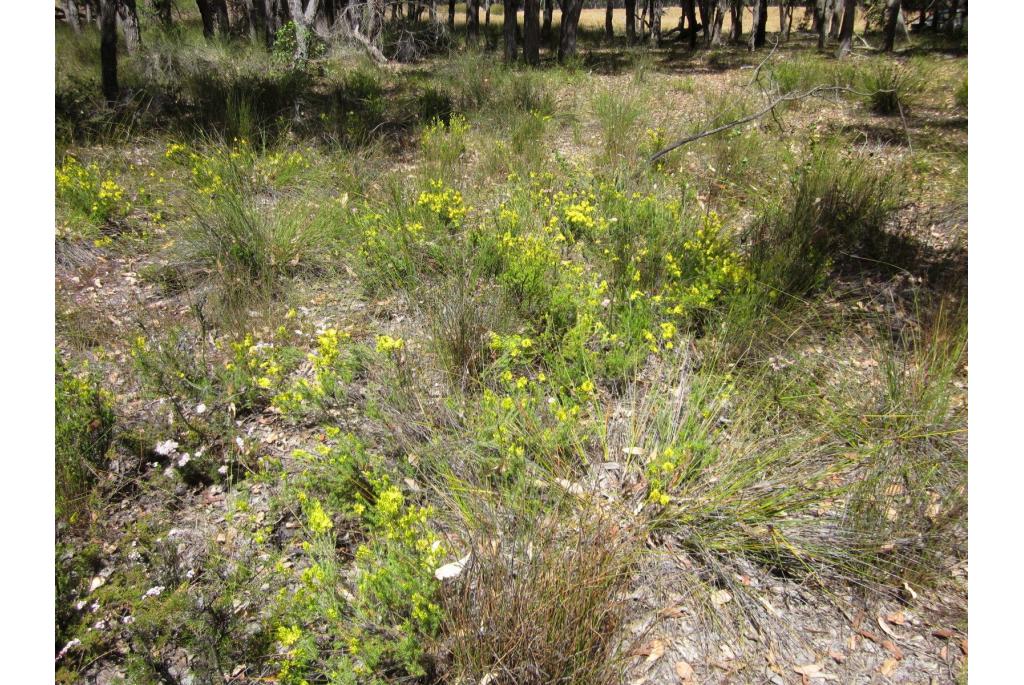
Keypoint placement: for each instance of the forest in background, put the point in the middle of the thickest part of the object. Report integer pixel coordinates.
(401, 343)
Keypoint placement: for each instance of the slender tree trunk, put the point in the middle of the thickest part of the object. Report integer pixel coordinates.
(837, 19)
(129, 19)
(531, 32)
(846, 32)
(717, 21)
(785, 19)
(472, 20)
(108, 49)
(656, 11)
(691, 22)
(206, 14)
(609, 33)
(892, 15)
(163, 12)
(432, 11)
(487, 12)
(451, 15)
(823, 17)
(508, 30)
(71, 15)
(220, 15)
(567, 33)
(758, 31)
(736, 21)
(258, 21)
(630, 21)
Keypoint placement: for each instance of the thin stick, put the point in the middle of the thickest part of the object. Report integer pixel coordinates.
(757, 115)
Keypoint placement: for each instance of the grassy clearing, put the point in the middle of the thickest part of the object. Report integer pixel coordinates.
(450, 364)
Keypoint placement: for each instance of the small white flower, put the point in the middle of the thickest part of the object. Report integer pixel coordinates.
(153, 591)
(128, 620)
(166, 448)
(185, 458)
(200, 408)
(240, 443)
(223, 470)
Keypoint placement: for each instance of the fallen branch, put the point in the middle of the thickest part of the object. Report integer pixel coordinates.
(770, 109)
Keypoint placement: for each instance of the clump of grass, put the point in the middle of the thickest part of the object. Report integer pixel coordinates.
(617, 115)
(541, 599)
(463, 311)
(891, 88)
(960, 95)
(84, 430)
(443, 146)
(837, 203)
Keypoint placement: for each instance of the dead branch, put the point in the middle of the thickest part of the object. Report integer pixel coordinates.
(770, 109)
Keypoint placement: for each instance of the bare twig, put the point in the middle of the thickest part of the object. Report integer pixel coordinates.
(757, 70)
(789, 97)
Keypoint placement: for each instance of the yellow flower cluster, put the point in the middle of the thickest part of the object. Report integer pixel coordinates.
(445, 203)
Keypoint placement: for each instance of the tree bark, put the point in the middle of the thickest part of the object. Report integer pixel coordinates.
(822, 19)
(656, 11)
(715, 37)
(630, 21)
(108, 49)
(71, 15)
(892, 15)
(609, 33)
(531, 32)
(736, 21)
(567, 33)
(691, 22)
(508, 30)
(129, 19)
(785, 19)
(206, 14)
(220, 15)
(472, 20)
(846, 31)
(758, 31)
(163, 12)
(837, 19)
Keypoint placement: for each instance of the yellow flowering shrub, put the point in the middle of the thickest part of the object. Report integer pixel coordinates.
(88, 197)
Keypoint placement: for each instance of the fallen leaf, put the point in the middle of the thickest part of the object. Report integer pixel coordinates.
(452, 570)
(963, 646)
(943, 633)
(720, 597)
(891, 647)
(674, 611)
(657, 651)
(887, 667)
(896, 618)
(885, 627)
(684, 672)
(838, 657)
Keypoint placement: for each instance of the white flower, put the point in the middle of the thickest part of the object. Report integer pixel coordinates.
(166, 448)
(153, 591)
(200, 408)
(185, 458)
(223, 470)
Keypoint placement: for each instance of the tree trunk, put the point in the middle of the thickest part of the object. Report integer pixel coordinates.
(691, 22)
(609, 33)
(451, 15)
(206, 14)
(472, 20)
(108, 49)
(823, 17)
(220, 15)
(785, 19)
(567, 33)
(258, 21)
(846, 32)
(837, 18)
(892, 15)
(736, 21)
(508, 30)
(487, 12)
(758, 31)
(531, 32)
(129, 19)
(163, 12)
(630, 21)
(715, 37)
(656, 11)
(71, 15)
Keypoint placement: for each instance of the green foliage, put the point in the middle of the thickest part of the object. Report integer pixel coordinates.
(891, 88)
(89, 198)
(83, 433)
(335, 364)
(286, 44)
(960, 95)
(836, 203)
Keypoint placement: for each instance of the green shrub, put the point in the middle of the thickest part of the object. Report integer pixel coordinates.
(891, 88)
(837, 203)
(89, 198)
(84, 430)
(960, 95)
